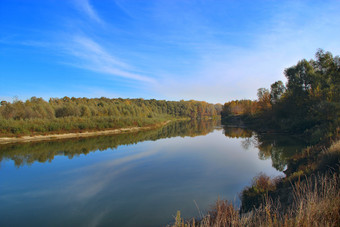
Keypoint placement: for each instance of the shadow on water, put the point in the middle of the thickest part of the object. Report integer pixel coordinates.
(28, 153)
(278, 147)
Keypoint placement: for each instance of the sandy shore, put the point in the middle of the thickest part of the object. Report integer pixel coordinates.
(5, 140)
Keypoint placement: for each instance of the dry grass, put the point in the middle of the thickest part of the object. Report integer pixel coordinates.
(329, 158)
(335, 147)
(316, 203)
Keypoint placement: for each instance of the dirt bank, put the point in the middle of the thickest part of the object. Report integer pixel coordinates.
(5, 140)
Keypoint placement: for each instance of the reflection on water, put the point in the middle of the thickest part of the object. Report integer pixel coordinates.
(28, 153)
(138, 179)
(278, 147)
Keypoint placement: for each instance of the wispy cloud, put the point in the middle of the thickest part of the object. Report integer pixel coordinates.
(87, 8)
(92, 56)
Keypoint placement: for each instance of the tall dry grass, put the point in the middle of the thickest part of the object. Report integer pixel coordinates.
(316, 203)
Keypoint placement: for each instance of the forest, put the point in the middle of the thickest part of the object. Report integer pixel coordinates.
(37, 116)
(308, 104)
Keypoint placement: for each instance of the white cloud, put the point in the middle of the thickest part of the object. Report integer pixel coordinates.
(92, 56)
(86, 7)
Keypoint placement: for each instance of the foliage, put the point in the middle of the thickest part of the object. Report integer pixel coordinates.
(308, 104)
(239, 107)
(253, 196)
(66, 114)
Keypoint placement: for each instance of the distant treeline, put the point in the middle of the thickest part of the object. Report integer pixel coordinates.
(309, 103)
(36, 115)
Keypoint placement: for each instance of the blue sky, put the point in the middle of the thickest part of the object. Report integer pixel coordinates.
(214, 51)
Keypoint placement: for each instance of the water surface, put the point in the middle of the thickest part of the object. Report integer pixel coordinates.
(137, 179)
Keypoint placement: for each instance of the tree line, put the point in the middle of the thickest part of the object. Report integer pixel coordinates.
(65, 114)
(308, 104)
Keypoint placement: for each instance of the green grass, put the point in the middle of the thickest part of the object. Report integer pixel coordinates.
(21, 127)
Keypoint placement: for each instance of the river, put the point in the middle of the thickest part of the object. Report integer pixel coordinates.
(136, 179)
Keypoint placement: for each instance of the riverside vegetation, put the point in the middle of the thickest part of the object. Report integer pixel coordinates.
(308, 107)
(37, 116)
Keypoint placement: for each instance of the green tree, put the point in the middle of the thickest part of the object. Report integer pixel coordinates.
(276, 91)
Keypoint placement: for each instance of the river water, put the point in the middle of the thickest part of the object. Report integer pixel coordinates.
(137, 179)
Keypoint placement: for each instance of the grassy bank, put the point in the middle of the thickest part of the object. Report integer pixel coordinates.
(16, 128)
(81, 134)
(316, 203)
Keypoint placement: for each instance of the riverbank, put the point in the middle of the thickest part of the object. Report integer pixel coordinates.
(25, 139)
(316, 203)
(307, 196)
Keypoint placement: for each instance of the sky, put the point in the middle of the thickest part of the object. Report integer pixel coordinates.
(207, 50)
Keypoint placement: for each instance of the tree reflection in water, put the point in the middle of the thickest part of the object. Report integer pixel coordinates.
(28, 153)
(278, 147)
